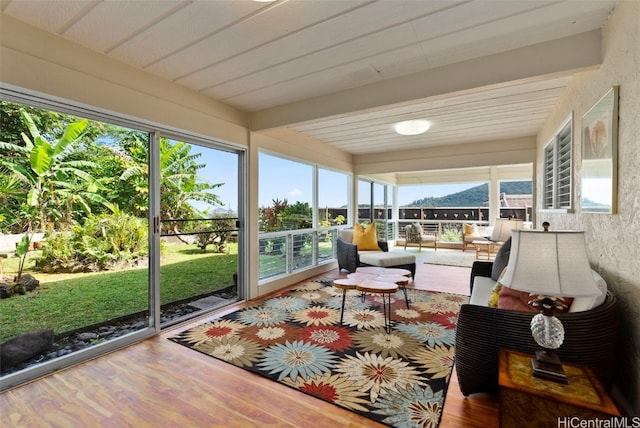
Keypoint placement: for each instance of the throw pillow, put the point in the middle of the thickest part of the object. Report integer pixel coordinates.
(365, 239)
(501, 260)
(515, 300)
(495, 291)
(470, 229)
(417, 228)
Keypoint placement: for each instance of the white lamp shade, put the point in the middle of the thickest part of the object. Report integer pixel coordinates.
(503, 227)
(550, 263)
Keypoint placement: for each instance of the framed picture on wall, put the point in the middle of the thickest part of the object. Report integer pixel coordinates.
(600, 155)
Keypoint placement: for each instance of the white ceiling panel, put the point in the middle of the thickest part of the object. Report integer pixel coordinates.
(47, 15)
(111, 23)
(195, 22)
(250, 35)
(335, 65)
(349, 37)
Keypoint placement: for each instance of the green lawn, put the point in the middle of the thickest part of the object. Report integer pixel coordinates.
(69, 301)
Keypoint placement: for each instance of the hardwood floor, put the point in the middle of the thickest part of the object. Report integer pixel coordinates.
(158, 383)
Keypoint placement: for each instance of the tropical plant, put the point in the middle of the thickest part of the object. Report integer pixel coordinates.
(22, 248)
(297, 216)
(103, 242)
(271, 217)
(58, 182)
(216, 233)
(12, 211)
(179, 182)
(451, 235)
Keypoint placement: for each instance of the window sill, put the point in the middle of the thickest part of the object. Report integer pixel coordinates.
(557, 210)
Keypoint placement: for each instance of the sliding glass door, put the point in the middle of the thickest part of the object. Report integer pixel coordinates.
(109, 230)
(200, 233)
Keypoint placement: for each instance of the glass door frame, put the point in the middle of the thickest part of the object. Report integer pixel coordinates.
(155, 213)
(36, 99)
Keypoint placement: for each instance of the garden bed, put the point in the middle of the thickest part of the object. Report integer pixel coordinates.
(75, 340)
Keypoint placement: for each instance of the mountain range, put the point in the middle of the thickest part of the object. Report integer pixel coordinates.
(474, 197)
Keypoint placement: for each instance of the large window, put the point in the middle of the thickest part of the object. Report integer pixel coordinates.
(89, 200)
(443, 208)
(300, 208)
(557, 169)
(374, 206)
(333, 197)
(74, 226)
(285, 194)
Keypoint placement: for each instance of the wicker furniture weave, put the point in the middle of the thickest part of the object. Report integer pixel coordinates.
(590, 339)
(347, 254)
(413, 236)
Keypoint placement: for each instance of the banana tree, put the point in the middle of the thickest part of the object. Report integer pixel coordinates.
(58, 179)
(22, 248)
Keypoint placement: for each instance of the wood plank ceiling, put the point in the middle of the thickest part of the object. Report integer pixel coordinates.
(291, 55)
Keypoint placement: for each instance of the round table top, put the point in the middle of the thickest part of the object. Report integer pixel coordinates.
(397, 279)
(346, 283)
(376, 270)
(397, 271)
(373, 270)
(360, 276)
(373, 286)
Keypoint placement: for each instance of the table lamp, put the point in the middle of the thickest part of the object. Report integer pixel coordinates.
(549, 265)
(503, 227)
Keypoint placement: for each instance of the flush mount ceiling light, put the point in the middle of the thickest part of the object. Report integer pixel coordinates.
(412, 127)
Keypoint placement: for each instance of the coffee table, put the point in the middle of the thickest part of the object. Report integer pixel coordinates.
(345, 284)
(396, 275)
(385, 289)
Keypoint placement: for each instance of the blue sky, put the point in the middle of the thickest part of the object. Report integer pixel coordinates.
(221, 167)
(284, 179)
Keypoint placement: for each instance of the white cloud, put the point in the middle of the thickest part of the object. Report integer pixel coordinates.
(295, 192)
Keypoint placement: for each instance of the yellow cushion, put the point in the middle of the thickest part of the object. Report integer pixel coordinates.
(495, 292)
(365, 239)
(470, 229)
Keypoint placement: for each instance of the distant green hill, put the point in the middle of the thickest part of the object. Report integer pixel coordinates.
(475, 196)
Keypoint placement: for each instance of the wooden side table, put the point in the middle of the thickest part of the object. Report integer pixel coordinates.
(527, 401)
(486, 248)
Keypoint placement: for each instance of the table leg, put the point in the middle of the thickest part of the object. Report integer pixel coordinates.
(386, 307)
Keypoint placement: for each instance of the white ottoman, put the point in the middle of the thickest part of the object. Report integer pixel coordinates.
(389, 260)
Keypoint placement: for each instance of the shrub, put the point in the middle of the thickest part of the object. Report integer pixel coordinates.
(104, 242)
(451, 235)
(217, 233)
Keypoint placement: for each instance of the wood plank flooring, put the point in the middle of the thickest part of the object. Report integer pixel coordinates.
(158, 383)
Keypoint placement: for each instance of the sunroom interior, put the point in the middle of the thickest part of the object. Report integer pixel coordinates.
(497, 80)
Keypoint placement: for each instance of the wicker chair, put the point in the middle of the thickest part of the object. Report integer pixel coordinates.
(590, 339)
(347, 254)
(414, 234)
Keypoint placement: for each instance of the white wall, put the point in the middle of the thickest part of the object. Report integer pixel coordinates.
(613, 240)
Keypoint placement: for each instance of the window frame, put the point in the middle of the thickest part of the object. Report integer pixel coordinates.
(288, 238)
(557, 170)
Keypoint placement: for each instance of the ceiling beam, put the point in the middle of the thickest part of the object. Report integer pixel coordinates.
(561, 57)
(513, 151)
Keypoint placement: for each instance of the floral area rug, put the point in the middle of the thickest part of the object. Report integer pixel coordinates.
(399, 378)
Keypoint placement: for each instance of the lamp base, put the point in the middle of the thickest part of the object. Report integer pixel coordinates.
(547, 366)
